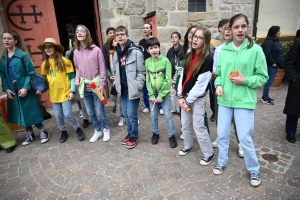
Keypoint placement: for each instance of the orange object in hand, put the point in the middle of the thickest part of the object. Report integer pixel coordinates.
(99, 94)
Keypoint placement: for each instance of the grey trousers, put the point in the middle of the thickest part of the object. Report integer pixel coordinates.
(194, 121)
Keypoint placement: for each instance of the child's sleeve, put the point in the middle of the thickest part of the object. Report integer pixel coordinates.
(102, 70)
(165, 88)
(70, 72)
(148, 82)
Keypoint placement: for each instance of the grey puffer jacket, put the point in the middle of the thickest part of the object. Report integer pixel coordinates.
(135, 72)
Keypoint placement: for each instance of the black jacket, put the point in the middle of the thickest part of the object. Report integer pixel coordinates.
(172, 55)
(292, 72)
(274, 52)
(196, 87)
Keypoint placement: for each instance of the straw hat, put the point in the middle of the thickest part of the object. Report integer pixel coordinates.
(110, 38)
(51, 41)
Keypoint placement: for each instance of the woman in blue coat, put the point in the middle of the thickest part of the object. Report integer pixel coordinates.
(275, 58)
(22, 101)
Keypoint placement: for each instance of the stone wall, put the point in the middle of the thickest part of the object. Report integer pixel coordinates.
(283, 13)
(170, 17)
(3, 26)
(222, 9)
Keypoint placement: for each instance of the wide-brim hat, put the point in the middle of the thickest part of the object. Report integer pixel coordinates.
(51, 41)
(110, 38)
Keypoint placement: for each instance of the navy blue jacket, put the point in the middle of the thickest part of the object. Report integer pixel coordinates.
(273, 52)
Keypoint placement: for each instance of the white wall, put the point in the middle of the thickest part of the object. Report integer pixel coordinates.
(283, 13)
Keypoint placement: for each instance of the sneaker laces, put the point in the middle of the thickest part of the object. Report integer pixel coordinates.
(218, 167)
(254, 176)
(29, 136)
(43, 135)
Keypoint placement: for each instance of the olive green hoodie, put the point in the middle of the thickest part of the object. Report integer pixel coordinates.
(158, 77)
(252, 65)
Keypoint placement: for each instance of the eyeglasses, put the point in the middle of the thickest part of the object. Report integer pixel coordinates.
(197, 37)
(7, 38)
(80, 31)
(121, 34)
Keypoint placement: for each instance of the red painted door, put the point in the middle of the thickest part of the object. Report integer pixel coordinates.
(35, 20)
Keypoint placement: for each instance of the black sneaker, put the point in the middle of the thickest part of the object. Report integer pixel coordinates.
(44, 136)
(29, 139)
(218, 169)
(173, 142)
(206, 160)
(213, 118)
(63, 137)
(268, 101)
(10, 149)
(80, 134)
(255, 179)
(85, 123)
(184, 151)
(155, 138)
(272, 100)
(114, 109)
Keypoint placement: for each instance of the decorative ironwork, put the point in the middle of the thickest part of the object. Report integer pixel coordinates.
(35, 14)
(29, 50)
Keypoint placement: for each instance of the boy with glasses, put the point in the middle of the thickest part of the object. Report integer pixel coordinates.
(129, 76)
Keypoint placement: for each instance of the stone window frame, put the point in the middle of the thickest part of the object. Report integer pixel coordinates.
(197, 2)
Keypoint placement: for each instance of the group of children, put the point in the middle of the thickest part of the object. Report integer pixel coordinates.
(186, 78)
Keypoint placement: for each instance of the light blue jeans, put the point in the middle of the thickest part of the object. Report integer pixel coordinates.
(64, 109)
(95, 110)
(166, 106)
(244, 119)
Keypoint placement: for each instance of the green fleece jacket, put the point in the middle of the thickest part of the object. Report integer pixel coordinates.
(252, 65)
(158, 77)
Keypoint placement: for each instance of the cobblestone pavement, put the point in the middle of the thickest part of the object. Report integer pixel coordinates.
(107, 170)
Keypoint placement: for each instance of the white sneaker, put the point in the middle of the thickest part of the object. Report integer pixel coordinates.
(121, 122)
(146, 110)
(80, 114)
(181, 136)
(215, 144)
(106, 133)
(96, 136)
(161, 111)
(240, 151)
(138, 121)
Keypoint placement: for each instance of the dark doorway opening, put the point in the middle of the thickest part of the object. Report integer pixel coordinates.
(70, 12)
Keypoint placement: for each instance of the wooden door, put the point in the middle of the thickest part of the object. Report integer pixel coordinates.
(34, 20)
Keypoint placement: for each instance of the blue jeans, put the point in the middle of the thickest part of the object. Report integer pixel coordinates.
(244, 119)
(166, 106)
(39, 126)
(272, 73)
(129, 109)
(95, 110)
(146, 98)
(64, 109)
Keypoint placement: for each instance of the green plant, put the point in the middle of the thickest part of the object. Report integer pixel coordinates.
(286, 46)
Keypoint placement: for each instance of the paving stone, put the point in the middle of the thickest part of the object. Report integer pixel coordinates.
(108, 170)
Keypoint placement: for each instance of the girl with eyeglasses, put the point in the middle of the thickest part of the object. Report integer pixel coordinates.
(237, 93)
(192, 89)
(23, 103)
(90, 67)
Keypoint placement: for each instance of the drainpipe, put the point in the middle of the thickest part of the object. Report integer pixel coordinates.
(255, 20)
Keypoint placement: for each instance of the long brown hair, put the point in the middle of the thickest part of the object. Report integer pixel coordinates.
(58, 60)
(185, 45)
(203, 52)
(88, 38)
(20, 42)
(237, 16)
